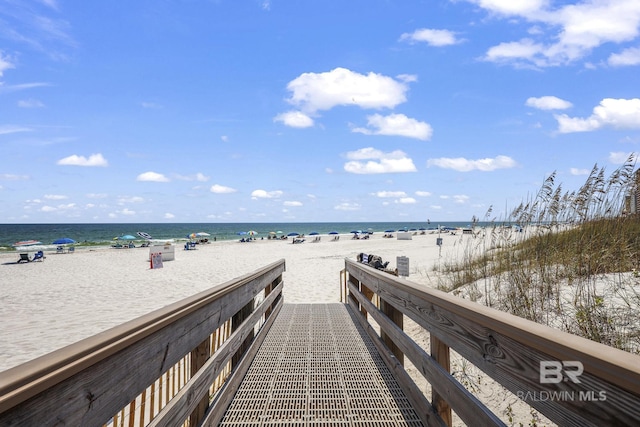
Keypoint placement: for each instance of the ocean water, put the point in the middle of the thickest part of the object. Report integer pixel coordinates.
(103, 234)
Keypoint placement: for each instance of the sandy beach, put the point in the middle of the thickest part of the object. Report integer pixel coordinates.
(67, 297)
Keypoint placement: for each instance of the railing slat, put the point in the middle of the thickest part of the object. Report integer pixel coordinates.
(469, 408)
(188, 398)
(510, 350)
(98, 376)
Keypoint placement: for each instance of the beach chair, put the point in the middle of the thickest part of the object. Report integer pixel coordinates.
(24, 258)
(60, 250)
(38, 256)
(71, 249)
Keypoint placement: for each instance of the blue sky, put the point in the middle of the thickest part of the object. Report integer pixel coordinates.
(262, 111)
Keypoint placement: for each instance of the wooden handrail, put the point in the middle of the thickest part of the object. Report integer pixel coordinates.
(86, 383)
(510, 350)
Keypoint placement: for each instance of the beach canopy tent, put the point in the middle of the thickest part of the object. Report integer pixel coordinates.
(63, 241)
(27, 243)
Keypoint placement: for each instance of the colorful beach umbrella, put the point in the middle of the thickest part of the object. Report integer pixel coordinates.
(202, 234)
(252, 233)
(63, 241)
(144, 235)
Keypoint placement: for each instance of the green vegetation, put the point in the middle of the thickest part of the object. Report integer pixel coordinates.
(575, 266)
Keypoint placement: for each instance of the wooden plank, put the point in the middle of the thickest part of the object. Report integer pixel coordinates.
(470, 410)
(223, 398)
(510, 350)
(420, 404)
(111, 369)
(186, 400)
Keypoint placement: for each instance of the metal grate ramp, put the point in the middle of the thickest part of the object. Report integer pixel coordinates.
(317, 367)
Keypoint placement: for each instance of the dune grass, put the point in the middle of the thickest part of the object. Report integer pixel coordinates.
(575, 265)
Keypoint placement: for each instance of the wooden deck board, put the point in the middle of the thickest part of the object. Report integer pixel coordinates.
(318, 367)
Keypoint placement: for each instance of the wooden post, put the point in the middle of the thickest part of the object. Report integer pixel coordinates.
(396, 317)
(199, 356)
(440, 352)
(356, 283)
(368, 294)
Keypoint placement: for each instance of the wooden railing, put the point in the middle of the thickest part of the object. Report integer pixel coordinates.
(571, 380)
(162, 369)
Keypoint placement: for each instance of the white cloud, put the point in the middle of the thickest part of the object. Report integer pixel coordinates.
(169, 215)
(224, 138)
(13, 177)
(55, 197)
(7, 129)
(431, 37)
(461, 164)
(406, 201)
(75, 160)
(548, 103)
(221, 189)
(630, 56)
(460, 198)
(576, 171)
(620, 157)
(130, 199)
(5, 63)
(294, 119)
(511, 7)
(200, 177)
(378, 162)
(423, 193)
(396, 124)
(566, 33)
(263, 194)
(313, 92)
(30, 103)
(152, 177)
(96, 196)
(346, 206)
(390, 194)
(292, 203)
(616, 113)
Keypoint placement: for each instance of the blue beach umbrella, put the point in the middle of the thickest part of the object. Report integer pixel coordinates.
(293, 234)
(389, 231)
(333, 232)
(63, 241)
(127, 237)
(313, 233)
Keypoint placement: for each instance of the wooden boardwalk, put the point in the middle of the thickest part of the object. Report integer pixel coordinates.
(317, 367)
